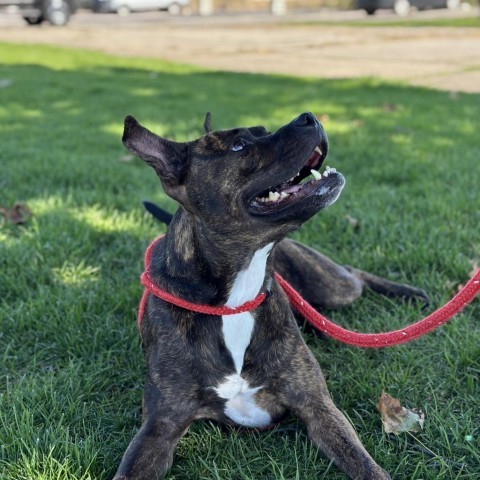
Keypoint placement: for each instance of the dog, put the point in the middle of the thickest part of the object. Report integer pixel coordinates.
(322, 282)
(240, 193)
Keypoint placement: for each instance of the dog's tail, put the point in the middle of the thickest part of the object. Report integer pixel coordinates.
(157, 212)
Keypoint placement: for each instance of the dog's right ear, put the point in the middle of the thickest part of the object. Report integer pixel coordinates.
(207, 124)
(168, 159)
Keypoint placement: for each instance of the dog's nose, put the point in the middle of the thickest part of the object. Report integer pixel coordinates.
(305, 120)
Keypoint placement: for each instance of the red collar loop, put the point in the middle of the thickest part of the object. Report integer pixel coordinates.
(148, 283)
(151, 287)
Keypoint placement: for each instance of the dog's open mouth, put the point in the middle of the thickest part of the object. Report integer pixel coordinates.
(307, 182)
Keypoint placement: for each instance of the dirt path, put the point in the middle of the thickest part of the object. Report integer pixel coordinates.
(443, 58)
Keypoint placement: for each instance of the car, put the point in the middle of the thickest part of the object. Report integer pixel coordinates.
(402, 7)
(55, 12)
(124, 7)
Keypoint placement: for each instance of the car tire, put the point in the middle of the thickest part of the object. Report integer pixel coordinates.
(123, 11)
(174, 9)
(34, 20)
(57, 12)
(370, 11)
(401, 7)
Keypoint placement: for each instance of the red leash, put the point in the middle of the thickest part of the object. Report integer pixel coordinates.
(365, 340)
(387, 339)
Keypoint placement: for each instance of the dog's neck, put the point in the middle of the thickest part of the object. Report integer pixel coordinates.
(233, 269)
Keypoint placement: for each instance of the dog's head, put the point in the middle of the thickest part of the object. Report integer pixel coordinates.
(246, 178)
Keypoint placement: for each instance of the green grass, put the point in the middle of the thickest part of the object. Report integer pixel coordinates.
(419, 22)
(467, 21)
(71, 363)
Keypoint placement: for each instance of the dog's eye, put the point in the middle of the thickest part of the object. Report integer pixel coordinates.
(238, 145)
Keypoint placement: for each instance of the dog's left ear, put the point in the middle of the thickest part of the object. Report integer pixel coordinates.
(168, 159)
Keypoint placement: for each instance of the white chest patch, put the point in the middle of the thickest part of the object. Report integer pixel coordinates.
(237, 332)
(240, 405)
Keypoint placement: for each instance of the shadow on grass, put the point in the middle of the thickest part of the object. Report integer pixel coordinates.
(62, 128)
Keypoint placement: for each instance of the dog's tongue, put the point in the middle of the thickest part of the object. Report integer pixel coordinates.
(293, 188)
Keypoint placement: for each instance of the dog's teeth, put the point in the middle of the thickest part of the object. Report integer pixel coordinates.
(329, 170)
(317, 149)
(316, 174)
(273, 196)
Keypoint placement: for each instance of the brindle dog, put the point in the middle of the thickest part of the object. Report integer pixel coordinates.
(322, 282)
(240, 193)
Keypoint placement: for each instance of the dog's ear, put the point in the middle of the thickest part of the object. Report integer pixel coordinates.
(207, 124)
(168, 159)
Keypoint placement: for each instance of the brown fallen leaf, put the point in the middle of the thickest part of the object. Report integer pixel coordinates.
(357, 122)
(323, 118)
(389, 107)
(354, 222)
(397, 419)
(17, 214)
(475, 263)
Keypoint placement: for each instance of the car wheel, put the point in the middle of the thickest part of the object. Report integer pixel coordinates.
(174, 9)
(401, 7)
(453, 4)
(57, 12)
(34, 20)
(370, 11)
(123, 10)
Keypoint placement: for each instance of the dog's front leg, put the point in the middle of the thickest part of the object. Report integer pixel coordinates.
(331, 432)
(307, 397)
(150, 453)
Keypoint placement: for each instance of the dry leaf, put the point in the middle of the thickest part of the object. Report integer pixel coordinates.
(389, 107)
(475, 263)
(357, 122)
(354, 222)
(397, 419)
(18, 214)
(323, 118)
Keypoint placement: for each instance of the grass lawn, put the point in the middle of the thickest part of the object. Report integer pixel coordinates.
(71, 367)
(467, 21)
